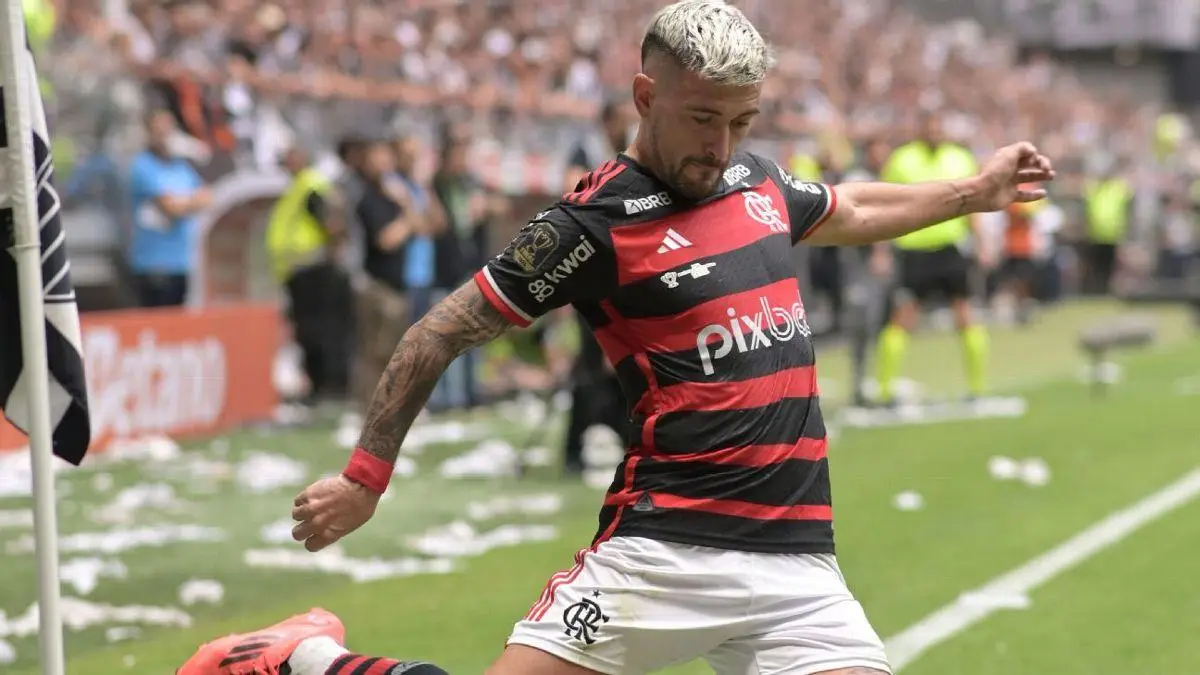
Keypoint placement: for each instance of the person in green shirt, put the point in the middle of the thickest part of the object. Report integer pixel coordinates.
(932, 263)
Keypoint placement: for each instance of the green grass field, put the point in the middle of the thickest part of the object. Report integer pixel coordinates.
(1133, 608)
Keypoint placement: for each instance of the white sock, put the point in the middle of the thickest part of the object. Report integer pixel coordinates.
(314, 655)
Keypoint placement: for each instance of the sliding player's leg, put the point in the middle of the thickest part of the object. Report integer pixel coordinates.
(306, 644)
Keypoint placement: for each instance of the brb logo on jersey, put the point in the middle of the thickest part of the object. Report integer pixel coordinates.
(543, 287)
(640, 204)
(736, 174)
(747, 333)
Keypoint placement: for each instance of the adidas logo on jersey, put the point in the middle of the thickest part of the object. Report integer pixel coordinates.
(673, 241)
(640, 204)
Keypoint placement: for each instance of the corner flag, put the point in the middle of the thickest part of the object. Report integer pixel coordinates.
(42, 385)
(68, 404)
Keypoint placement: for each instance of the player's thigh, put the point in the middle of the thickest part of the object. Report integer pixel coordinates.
(522, 660)
(634, 606)
(806, 622)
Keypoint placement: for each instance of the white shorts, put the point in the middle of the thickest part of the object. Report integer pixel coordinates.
(637, 605)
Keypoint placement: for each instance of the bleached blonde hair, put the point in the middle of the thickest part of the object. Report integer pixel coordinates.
(712, 39)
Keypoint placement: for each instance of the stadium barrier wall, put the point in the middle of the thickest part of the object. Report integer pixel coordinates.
(179, 373)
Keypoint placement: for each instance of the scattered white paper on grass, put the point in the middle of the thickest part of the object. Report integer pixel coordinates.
(83, 574)
(333, 560)
(118, 541)
(1035, 472)
(1004, 468)
(406, 467)
(278, 532)
(542, 504)
(16, 518)
(78, 614)
(263, 472)
(122, 633)
(538, 456)
(459, 539)
(16, 475)
(598, 479)
(489, 459)
(908, 501)
(143, 449)
(194, 591)
(102, 482)
(132, 502)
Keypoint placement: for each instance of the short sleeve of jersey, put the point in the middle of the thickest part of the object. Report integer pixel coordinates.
(808, 204)
(551, 262)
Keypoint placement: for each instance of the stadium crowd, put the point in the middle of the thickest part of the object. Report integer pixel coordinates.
(246, 80)
(847, 70)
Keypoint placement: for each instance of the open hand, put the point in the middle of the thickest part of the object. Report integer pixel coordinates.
(330, 509)
(1006, 178)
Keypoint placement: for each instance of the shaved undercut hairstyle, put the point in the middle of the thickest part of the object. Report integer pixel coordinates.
(710, 38)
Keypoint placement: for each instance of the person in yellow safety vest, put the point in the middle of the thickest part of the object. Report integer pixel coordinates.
(1108, 206)
(303, 234)
(932, 262)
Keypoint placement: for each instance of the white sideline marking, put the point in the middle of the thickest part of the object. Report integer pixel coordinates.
(956, 617)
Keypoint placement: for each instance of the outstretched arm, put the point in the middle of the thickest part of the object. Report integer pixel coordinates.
(869, 212)
(463, 320)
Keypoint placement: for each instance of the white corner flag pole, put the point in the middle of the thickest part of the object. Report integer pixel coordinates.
(18, 166)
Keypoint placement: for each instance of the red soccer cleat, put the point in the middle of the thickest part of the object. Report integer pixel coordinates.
(262, 652)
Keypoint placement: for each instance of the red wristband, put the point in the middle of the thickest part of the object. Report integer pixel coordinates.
(369, 471)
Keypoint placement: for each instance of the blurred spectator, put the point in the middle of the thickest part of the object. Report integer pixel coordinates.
(1179, 239)
(388, 219)
(460, 250)
(302, 235)
(166, 196)
(1108, 202)
(419, 252)
(616, 120)
(596, 396)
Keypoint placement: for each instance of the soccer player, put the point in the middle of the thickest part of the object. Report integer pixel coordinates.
(715, 538)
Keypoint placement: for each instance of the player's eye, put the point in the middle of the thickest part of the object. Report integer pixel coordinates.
(702, 120)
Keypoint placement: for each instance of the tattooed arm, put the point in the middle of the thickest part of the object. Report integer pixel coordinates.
(464, 320)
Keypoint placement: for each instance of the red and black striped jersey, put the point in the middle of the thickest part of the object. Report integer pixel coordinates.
(697, 306)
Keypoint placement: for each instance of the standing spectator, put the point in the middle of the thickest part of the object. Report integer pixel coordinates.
(166, 196)
(1108, 202)
(460, 250)
(420, 255)
(1179, 237)
(388, 220)
(302, 236)
(596, 396)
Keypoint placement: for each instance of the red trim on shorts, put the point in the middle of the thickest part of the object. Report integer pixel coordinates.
(562, 578)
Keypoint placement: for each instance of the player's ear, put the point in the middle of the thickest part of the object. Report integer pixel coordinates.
(643, 93)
